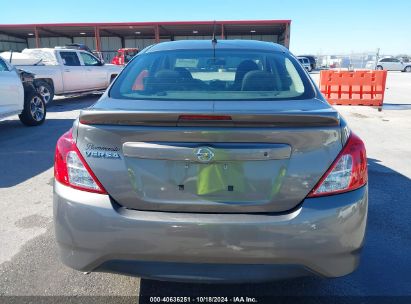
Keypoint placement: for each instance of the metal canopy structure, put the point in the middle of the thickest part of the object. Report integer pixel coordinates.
(138, 34)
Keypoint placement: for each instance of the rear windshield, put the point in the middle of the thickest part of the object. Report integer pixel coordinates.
(208, 75)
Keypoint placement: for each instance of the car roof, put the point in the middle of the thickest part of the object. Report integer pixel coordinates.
(221, 44)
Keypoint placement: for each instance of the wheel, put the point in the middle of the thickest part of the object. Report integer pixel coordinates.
(45, 90)
(379, 68)
(34, 112)
(407, 69)
(310, 69)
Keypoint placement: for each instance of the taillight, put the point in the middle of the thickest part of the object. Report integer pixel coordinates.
(348, 172)
(71, 169)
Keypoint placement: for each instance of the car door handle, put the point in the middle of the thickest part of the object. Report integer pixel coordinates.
(67, 70)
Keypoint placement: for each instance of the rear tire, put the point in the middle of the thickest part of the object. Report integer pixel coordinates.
(407, 69)
(379, 68)
(34, 112)
(45, 90)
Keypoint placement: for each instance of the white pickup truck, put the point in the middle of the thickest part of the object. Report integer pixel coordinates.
(67, 71)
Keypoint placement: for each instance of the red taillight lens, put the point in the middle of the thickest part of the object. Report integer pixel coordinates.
(71, 169)
(348, 172)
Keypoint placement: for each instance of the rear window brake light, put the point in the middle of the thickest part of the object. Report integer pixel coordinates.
(204, 117)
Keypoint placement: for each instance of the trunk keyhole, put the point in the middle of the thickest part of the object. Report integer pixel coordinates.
(181, 187)
(230, 188)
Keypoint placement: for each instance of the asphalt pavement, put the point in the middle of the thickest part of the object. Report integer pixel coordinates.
(29, 263)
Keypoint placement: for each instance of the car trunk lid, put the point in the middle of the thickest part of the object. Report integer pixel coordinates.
(265, 157)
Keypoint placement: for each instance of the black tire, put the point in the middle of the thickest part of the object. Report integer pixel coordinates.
(379, 68)
(407, 69)
(34, 112)
(46, 90)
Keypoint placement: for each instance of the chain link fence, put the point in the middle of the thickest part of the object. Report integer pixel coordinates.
(366, 60)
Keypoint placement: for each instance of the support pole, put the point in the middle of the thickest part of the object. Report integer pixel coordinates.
(37, 38)
(97, 39)
(157, 33)
(287, 36)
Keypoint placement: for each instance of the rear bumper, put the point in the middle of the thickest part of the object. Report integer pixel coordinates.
(324, 236)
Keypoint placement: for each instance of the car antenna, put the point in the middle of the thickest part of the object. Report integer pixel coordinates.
(214, 40)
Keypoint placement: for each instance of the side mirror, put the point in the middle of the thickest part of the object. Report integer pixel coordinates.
(101, 62)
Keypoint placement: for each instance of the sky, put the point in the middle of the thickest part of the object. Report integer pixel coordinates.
(318, 26)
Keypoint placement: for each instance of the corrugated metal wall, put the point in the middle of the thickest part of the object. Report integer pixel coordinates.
(8, 43)
(269, 38)
(49, 42)
(193, 37)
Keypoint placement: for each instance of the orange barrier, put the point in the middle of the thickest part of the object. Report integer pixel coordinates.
(364, 88)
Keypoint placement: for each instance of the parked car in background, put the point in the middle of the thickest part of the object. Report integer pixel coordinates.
(305, 63)
(393, 64)
(68, 71)
(312, 59)
(182, 171)
(370, 65)
(124, 56)
(331, 61)
(19, 96)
